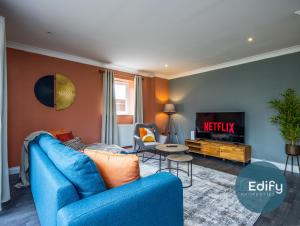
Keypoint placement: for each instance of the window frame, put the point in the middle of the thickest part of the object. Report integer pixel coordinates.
(126, 84)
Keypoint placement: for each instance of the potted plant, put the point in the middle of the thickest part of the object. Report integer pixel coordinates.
(288, 119)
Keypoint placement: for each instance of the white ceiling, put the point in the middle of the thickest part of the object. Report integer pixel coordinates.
(147, 34)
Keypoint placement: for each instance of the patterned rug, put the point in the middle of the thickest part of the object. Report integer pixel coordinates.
(211, 200)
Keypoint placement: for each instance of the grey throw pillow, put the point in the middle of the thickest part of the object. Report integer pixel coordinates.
(75, 143)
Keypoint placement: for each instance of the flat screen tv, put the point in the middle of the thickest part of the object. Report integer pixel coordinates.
(223, 126)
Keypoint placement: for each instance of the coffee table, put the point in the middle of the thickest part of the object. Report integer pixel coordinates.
(170, 149)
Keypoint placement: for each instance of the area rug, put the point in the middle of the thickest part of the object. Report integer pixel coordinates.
(211, 200)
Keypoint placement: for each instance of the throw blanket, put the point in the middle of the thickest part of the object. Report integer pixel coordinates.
(107, 147)
(24, 167)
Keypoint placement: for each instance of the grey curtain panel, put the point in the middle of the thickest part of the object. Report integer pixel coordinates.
(138, 103)
(4, 181)
(109, 118)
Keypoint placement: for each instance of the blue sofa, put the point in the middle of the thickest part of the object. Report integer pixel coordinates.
(149, 201)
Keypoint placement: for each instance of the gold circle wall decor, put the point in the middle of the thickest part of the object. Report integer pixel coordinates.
(56, 91)
(64, 92)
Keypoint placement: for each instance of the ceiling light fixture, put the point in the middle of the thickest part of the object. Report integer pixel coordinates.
(166, 65)
(250, 39)
(297, 12)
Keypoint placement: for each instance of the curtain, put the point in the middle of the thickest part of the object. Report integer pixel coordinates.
(109, 119)
(4, 180)
(138, 103)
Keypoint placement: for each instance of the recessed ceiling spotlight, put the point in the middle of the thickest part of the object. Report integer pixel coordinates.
(250, 39)
(166, 65)
(297, 12)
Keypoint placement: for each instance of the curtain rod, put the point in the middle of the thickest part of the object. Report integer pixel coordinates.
(129, 75)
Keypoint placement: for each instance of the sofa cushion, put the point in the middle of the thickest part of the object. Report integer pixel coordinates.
(74, 165)
(116, 169)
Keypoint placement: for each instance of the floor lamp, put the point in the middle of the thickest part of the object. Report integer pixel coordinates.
(171, 129)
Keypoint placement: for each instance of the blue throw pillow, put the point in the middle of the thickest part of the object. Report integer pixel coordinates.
(76, 166)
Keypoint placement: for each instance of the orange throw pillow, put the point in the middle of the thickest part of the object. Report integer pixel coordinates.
(65, 136)
(57, 132)
(147, 135)
(143, 132)
(115, 169)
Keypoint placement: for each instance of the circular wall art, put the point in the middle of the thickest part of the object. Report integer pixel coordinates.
(56, 91)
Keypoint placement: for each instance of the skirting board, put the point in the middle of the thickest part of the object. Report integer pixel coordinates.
(281, 166)
(16, 170)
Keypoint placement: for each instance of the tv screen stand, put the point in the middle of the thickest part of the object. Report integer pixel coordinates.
(224, 150)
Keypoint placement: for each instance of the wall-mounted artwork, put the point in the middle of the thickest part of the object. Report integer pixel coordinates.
(56, 91)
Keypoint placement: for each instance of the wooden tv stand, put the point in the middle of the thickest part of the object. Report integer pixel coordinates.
(219, 149)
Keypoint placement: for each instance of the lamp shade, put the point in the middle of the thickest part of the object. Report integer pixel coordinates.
(169, 108)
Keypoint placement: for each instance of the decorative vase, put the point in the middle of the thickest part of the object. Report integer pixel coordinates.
(292, 149)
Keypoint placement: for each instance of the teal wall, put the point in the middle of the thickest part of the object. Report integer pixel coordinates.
(248, 88)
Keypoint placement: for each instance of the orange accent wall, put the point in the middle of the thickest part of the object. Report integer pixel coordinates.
(161, 87)
(155, 95)
(124, 119)
(26, 114)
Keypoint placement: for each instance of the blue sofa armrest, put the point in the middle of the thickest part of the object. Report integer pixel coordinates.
(149, 201)
(50, 189)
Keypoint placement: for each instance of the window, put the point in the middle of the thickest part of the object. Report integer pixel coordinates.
(122, 97)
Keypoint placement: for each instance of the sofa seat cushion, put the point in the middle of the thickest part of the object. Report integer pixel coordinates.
(116, 169)
(78, 168)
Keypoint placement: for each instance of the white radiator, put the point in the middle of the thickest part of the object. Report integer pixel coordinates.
(125, 134)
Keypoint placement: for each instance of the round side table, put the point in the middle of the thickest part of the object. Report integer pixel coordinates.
(169, 149)
(182, 158)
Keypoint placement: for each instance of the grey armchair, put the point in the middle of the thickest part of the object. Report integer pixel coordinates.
(142, 147)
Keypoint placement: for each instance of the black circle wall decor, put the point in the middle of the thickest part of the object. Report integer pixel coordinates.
(44, 90)
(56, 91)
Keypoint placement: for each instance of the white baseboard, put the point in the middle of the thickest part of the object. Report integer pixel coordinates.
(281, 166)
(14, 170)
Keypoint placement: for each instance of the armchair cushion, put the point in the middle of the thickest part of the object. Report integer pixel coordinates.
(151, 126)
(147, 135)
(151, 145)
(162, 139)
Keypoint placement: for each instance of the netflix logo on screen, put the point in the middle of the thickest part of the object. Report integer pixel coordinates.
(225, 127)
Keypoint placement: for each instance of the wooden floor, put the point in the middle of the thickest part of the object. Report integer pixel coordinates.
(21, 211)
(288, 214)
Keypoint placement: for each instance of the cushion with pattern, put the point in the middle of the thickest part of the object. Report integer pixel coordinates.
(147, 135)
(75, 143)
